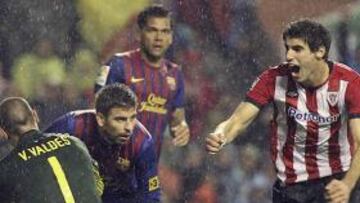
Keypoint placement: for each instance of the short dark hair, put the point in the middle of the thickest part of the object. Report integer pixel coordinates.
(114, 95)
(313, 33)
(15, 112)
(152, 11)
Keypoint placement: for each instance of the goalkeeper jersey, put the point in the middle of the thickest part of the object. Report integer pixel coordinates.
(54, 168)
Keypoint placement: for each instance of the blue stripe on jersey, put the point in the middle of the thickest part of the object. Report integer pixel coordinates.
(142, 68)
(116, 73)
(178, 102)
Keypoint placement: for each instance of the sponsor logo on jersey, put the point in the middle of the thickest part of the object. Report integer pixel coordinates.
(308, 116)
(136, 80)
(43, 148)
(154, 104)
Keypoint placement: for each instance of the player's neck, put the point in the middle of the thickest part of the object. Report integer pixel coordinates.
(152, 61)
(104, 137)
(321, 75)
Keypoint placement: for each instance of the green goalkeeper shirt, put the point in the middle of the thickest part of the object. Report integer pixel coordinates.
(49, 168)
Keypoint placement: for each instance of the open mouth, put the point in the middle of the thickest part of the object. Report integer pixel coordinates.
(157, 47)
(294, 68)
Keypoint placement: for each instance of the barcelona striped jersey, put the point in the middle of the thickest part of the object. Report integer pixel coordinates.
(160, 90)
(129, 171)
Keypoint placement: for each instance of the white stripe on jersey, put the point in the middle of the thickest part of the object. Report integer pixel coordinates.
(300, 138)
(343, 140)
(322, 154)
(280, 95)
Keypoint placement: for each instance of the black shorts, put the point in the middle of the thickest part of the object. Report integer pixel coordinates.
(312, 191)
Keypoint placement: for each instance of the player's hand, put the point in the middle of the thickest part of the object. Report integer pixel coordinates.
(181, 134)
(337, 192)
(215, 142)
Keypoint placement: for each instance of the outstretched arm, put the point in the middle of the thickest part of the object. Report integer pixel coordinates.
(226, 131)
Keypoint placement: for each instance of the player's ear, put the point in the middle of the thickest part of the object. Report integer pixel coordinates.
(320, 53)
(3, 135)
(100, 119)
(35, 116)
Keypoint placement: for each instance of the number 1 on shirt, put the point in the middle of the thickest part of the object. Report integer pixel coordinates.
(61, 179)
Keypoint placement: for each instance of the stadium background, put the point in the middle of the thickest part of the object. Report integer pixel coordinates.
(50, 51)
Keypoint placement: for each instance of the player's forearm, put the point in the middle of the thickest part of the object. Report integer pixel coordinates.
(233, 128)
(178, 117)
(238, 122)
(353, 173)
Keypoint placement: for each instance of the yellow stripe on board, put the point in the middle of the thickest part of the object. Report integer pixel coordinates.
(61, 179)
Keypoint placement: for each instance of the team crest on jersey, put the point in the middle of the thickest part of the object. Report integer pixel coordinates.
(122, 164)
(171, 82)
(332, 98)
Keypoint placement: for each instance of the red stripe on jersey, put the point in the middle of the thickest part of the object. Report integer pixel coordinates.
(312, 136)
(79, 126)
(138, 72)
(334, 153)
(165, 87)
(165, 93)
(156, 79)
(273, 135)
(148, 121)
(288, 150)
(160, 120)
(90, 125)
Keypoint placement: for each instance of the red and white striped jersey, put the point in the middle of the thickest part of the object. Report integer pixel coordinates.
(309, 131)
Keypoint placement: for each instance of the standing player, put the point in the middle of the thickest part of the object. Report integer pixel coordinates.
(315, 124)
(119, 143)
(43, 167)
(157, 82)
